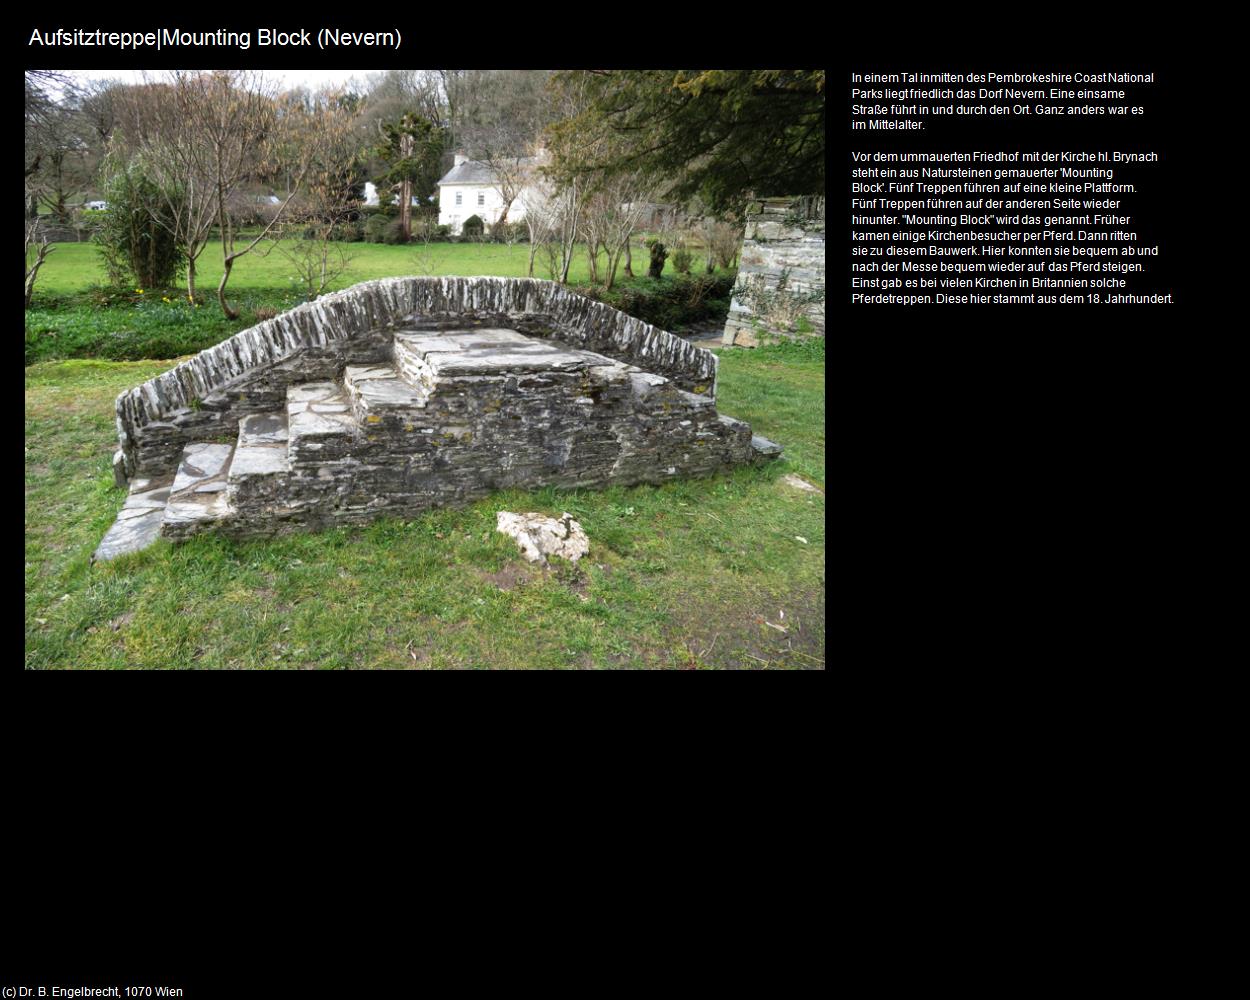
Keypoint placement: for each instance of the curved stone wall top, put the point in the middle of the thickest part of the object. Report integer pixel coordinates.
(387, 302)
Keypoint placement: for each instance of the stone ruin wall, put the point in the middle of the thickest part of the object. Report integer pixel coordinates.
(782, 234)
(205, 397)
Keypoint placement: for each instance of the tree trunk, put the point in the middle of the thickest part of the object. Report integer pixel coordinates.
(592, 261)
(629, 270)
(191, 279)
(221, 289)
(533, 251)
(405, 208)
(503, 216)
(41, 253)
(405, 189)
(613, 260)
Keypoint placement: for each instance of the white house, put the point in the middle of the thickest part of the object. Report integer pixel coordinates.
(470, 188)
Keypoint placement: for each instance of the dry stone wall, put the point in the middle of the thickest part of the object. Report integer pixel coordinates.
(781, 271)
(206, 397)
(406, 394)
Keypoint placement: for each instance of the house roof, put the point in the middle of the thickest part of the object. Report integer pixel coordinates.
(474, 172)
(469, 172)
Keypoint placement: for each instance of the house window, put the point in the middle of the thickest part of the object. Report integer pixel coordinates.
(481, 197)
(458, 197)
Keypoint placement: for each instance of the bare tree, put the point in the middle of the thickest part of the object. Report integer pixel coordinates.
(461, 92)
(500, 115)
(595, 215)
(540, 217)
(42, 109)
(152, 121)
(324, 126)
(610, 209)
(612, 214)
(205, 134)
(396, 92)
(249, 136)
(568, 202)
(423, 237)
(722, 239)
(36, 260)
(554, 220)
(56, 161)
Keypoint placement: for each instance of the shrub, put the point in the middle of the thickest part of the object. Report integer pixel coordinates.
(681, 259)
(671, 304)
(723, 240)
(510, 232)
(348, 232)
(340, 232)
(659, 253)
(426, 228)
(473, 227)
(376, 226)
(135, 233)
(394, 232)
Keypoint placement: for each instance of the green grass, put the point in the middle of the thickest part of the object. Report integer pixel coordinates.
(75, 267)
(73, 316)
(685, 575)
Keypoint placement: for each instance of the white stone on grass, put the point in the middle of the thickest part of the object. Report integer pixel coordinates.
(540, 536)
(800, 483)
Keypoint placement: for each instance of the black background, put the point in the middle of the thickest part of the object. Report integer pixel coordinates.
(993, 471)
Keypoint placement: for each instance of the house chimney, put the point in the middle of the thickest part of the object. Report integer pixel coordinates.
(460, 158)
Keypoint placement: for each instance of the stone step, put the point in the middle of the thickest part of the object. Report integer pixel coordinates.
(422, 359)
(377, 392)
(197, 497)
(138, 523)
(259, 469)
(320, 424)
(656, 395)
(764, 448)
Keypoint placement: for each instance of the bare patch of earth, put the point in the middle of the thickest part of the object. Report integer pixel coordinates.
(754, 632)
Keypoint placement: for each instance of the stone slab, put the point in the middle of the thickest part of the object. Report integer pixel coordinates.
(492, 351)
(194, 512)
(503, 361)
(458, 340)
(130, 534)
(765, 448)
(263, 429)
(312, 392)
(379, 389)
(203, 467)
(318, 409)
(262, 447)
(138, 523)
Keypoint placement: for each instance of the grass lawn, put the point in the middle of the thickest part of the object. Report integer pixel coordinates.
(692, 574)
(73, 317)
(74, 267)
